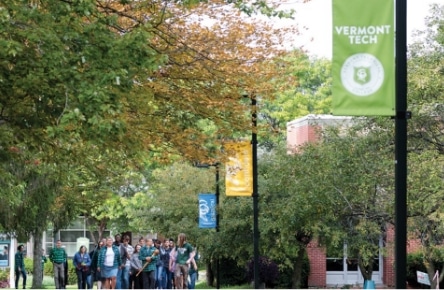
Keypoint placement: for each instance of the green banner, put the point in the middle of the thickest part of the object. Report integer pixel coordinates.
(363, 58)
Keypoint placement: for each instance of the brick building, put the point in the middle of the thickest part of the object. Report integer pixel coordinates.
(328, 271)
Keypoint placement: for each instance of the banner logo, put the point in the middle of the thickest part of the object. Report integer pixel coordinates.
(362, 74)
(207, 210)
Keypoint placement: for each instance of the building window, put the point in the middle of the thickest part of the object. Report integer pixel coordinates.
(77, 229)
(339, 261)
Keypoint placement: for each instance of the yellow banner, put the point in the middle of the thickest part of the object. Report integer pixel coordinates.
(239, 169)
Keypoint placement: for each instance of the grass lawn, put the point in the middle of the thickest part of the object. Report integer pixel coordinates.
(48, 283)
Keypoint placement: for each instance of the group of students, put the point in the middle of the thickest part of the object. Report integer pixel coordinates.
(116, 264)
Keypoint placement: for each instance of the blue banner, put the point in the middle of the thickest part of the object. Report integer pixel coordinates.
(207, 210)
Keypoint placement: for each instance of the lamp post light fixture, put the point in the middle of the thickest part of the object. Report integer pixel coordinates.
(216, 166)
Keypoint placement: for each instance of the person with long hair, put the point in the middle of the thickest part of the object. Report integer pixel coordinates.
(82, 263)
(108, 262)
(185, 255)
(136, 268)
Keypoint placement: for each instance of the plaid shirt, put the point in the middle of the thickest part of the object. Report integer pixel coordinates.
(148, 252)
(58, 255)
(19, 261)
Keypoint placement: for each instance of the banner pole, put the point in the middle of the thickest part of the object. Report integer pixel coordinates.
(217, 224)
(401, 145)
(255, 195)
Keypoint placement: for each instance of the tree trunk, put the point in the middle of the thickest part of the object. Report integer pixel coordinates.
(37, 269)
(431, 272)
(297, 269)
(366, 271)
(210, 275)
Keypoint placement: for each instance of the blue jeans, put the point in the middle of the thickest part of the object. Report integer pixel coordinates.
(122, 280)
(17, 276)
(89, 281)
(192, 283)
(119, 278)
(160, 277)
(168, 279)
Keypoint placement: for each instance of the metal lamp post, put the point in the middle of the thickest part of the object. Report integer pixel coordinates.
(255, 195)
(255, 192)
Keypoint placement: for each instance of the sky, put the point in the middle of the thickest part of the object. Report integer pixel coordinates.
(315, 21)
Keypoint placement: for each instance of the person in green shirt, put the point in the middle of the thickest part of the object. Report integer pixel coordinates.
(185, 255)
(149, 255)
(20, 266)
(58, 257)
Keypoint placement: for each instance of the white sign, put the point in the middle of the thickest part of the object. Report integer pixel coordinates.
(423, 278)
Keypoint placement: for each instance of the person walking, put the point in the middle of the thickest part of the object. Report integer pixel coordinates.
(108, 262)
(185, 254)
(82, 263)
(136, 268)
(58, 258)
(171, 284)
(95, 275)
(163, 264)
(149, 255)
(123, 258)
(20, 266)
(129, 250)
(171, 266)
(193, 273)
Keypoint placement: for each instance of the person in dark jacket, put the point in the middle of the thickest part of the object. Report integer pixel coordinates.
(95, 275)
(20, 266)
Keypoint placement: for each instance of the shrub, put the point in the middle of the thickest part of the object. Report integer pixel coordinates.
(285, 280)
(28, 265)
(72, 277)
(4, 278)
(47, 267)
(231, 273)
(49, 271)
(268, 271)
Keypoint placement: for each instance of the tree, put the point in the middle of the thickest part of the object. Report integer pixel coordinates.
(426, 140)
(333, 191)
(136, 77)
(32, 191)
(129, 79)
(304, 88)
(294, 206)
